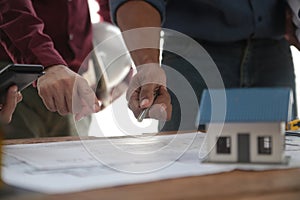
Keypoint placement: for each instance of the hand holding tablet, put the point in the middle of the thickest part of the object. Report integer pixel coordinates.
(14, 78)
(21, 75)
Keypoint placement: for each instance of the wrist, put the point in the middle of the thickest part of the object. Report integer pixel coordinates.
(147, 67)
(55, 67)
(145, 56)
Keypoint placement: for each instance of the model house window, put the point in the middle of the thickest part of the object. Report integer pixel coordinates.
(224, 145)
(264, 145)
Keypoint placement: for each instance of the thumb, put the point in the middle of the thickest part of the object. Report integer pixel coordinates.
(87, 95)
(147, 94)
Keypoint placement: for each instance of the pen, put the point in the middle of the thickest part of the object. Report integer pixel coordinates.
(143, 114)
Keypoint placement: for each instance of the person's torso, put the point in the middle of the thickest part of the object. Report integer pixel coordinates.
(68, 24)
(227, 20)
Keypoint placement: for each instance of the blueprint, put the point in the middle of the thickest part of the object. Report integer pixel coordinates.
(62, 167)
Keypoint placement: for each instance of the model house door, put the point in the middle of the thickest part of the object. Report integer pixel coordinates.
(243, 147)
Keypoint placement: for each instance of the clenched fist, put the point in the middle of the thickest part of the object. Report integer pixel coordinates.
(64, 91)
(149, 81)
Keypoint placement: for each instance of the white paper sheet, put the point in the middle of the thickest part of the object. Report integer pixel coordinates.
(63, 167)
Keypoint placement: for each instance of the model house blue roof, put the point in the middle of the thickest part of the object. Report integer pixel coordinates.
(246, 105)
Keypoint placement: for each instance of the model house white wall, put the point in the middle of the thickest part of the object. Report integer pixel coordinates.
(265, 133)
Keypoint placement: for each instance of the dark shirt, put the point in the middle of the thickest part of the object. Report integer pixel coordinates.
(220, 20)
(48, 32)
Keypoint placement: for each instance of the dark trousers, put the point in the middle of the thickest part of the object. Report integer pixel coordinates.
(249, 63)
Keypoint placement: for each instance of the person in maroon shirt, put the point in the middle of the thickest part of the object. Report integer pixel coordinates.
(58, 35)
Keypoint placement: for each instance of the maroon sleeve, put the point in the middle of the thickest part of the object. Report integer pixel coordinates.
(23, 34)
(104, 10)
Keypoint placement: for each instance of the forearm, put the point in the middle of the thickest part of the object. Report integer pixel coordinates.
(142, 43)
(104, 10)
(23, 33)
(140, 24)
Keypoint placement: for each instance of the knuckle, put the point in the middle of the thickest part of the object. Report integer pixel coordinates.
(42, 91)
(50, 108)
(62, 111)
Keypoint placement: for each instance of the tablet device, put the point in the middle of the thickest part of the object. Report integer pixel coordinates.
(21, 75)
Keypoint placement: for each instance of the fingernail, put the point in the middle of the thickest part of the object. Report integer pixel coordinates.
(144, 102)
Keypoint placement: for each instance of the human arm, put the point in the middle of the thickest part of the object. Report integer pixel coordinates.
(134, 19)
(291, 28)
(13, 97)
(23, 37)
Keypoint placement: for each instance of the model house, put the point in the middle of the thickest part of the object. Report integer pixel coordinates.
(253, 126)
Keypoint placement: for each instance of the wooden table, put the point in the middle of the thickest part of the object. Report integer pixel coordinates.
(246, 185)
